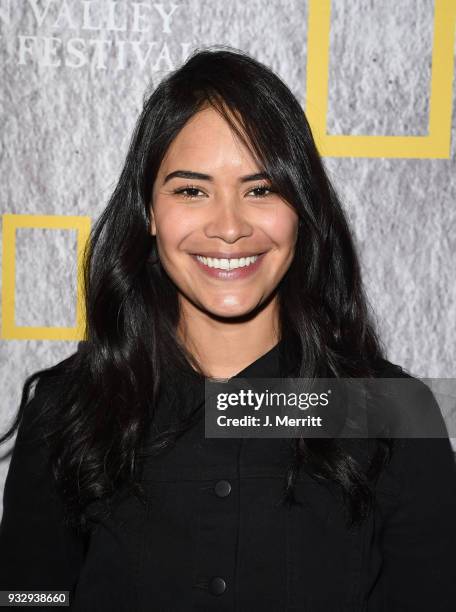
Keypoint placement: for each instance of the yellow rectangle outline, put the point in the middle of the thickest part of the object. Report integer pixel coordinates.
(437, 144)
(11, 222)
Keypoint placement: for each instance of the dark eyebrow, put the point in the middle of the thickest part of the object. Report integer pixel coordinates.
(188, 174)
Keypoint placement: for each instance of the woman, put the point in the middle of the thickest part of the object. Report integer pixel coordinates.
(114, 493)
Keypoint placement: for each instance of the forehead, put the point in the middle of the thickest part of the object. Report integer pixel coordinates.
(207, 142)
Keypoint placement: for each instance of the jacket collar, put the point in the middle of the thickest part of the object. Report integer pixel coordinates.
(265, 366)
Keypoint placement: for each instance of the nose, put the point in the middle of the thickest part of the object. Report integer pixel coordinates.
(228, 221)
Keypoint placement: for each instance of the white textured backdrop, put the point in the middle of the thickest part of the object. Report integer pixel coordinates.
(73, 77)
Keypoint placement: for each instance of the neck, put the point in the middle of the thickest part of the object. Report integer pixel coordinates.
(225, 346)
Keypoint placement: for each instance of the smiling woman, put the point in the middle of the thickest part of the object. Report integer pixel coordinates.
(226, 240)
(223, 252)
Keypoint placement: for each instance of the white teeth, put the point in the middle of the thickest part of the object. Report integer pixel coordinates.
(227, 264)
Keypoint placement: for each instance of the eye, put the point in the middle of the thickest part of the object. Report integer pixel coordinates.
(187, 192)
(191, 192)
(260, 189)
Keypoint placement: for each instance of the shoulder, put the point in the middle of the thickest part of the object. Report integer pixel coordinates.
(417, 413)
(421, 455)
(51, 380)
(35, 421)
(423, 460)
(385, 369)
(41, 393)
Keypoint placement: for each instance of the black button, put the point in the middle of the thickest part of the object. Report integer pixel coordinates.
(222, 488)
(217, 585)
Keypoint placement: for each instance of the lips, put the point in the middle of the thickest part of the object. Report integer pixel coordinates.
(226, 255)
(234, 274)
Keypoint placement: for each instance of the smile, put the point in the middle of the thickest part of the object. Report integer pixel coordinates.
(229, 269)
(227, 264)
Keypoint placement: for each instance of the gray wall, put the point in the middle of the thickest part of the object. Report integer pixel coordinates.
(67, 118)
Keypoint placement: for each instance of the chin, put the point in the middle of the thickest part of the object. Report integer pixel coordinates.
(229, 310)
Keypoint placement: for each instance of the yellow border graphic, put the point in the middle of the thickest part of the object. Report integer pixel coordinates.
(437, 144)
(11, 222)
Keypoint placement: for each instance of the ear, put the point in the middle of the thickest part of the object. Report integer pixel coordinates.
(153, 227)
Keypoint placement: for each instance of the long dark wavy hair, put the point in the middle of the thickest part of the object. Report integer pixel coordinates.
(101, 400)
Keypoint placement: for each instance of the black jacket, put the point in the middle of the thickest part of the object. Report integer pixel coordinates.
(213, 537)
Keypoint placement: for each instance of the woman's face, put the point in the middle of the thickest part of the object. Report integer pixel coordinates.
(209, 227)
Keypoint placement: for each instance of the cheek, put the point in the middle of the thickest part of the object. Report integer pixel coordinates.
(172, 228)
(283, 230)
